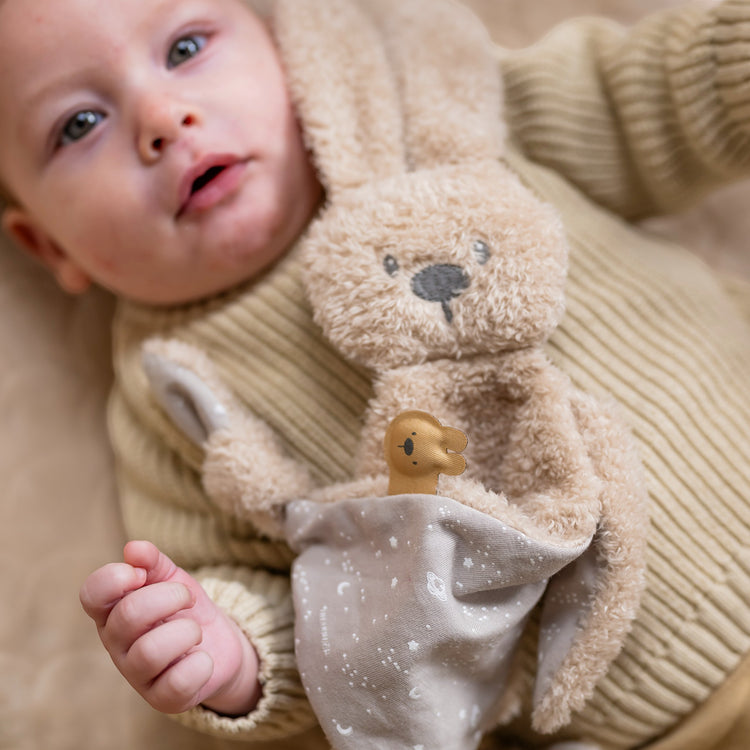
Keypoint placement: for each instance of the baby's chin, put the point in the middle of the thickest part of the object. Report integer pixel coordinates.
(226, 248)
(173, 291)
(234, 273)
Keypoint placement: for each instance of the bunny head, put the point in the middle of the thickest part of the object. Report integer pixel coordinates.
(442, 262)
(428, 246)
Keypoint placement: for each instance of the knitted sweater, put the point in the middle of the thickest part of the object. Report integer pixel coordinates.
(607, 126)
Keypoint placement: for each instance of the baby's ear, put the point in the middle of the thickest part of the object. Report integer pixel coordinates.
(343, 89)
(33, 239)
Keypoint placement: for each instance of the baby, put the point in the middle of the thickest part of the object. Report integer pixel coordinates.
(160, 157)
(153, 148)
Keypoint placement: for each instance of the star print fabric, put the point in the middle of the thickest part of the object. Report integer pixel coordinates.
(408, 611)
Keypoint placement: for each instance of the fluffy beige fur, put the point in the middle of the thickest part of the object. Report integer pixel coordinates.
(433, 266)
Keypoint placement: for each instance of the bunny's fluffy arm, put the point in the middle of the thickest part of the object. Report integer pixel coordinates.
(644, 120)
(246, 472)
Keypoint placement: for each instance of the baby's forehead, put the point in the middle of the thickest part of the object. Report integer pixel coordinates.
(61, 37)
(23, 18)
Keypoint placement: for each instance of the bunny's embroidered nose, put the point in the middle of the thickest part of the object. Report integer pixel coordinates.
(440, 283)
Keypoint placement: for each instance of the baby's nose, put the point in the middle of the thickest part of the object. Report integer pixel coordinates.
(161, 123)
(440, 283)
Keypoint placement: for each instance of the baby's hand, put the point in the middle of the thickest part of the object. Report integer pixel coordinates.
(167, 638)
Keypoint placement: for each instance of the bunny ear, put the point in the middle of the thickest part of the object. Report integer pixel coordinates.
(343, 88)
(450, 81)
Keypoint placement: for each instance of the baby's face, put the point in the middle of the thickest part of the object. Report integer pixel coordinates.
(150, 144)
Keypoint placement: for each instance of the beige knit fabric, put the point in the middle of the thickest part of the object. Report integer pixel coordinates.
(640, 124)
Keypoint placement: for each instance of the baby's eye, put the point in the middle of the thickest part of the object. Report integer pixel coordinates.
(184, 48)
(79, 125)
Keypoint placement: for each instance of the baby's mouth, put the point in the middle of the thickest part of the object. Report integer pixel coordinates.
(209, 183)
(200, 182)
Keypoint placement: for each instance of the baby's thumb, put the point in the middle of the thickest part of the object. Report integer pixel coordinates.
(145, 555)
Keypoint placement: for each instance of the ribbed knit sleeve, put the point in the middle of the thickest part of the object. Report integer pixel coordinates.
(261, 605)
(643, 120)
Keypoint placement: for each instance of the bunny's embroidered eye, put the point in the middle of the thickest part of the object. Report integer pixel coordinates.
(482, 251)
(390, 264)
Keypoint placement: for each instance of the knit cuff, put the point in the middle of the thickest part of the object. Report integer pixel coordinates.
(709, 69)
(732, 59)
(261, 604)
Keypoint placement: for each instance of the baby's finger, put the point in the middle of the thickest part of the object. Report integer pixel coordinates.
(142, 554)
(154, 651)
(179, 687)
(105, 587)
(141, 610)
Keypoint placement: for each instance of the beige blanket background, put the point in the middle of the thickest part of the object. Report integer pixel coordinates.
(58, 689)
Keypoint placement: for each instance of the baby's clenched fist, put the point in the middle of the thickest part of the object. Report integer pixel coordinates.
(166, 636)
